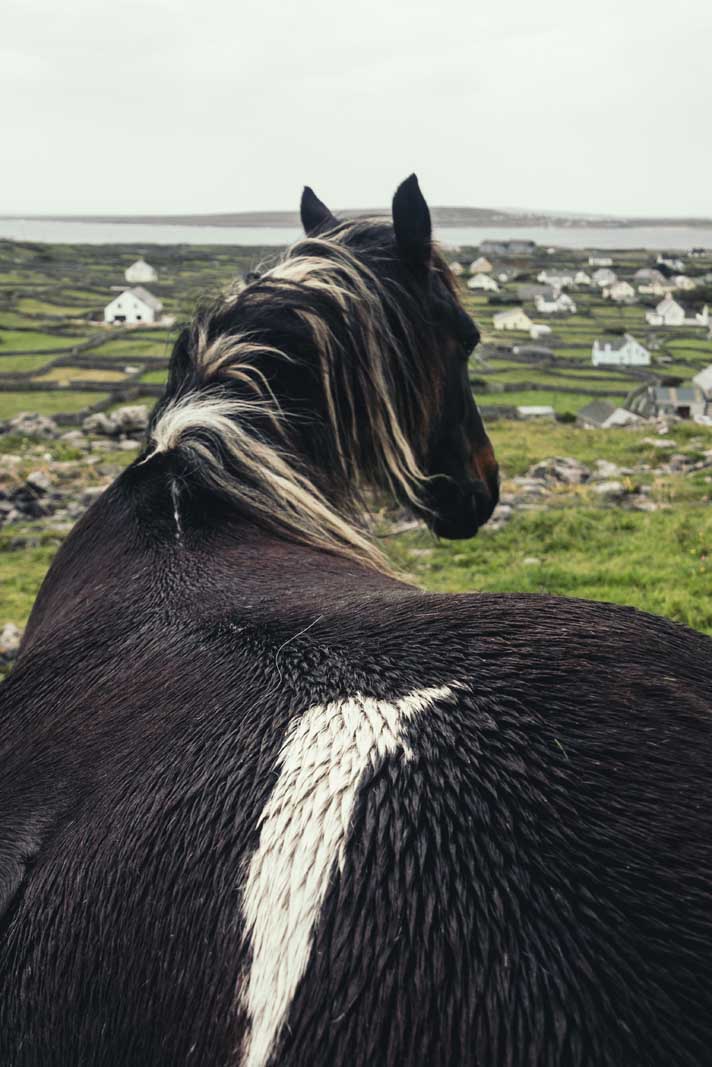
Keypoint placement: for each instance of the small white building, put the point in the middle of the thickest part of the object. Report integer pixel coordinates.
(667, 313)
(582, 278)
(483, 281)
(140, 272)
(481, 265)
(654, 288)
(681, 281)
(600, 261)
(539, 329)
(703, 381)
(648, 274)
(622, 351)
(622, 292)
(536, 411)
(555, 303)
(603, 277)
(133, 305)
(457, 268)
(671, 264)
(512, 319)
(555, 279)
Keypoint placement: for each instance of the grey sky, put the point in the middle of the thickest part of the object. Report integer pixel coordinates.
(229, 105)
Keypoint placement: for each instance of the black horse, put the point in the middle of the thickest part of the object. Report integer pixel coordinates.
(262, 803)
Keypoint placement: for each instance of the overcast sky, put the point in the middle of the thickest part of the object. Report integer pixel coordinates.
(230, 105)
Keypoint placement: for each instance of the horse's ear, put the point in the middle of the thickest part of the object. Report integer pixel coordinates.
(315, 215)
(411, 222)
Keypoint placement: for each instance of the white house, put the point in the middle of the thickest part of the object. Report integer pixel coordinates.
(555, 303)
(512, 319)
(681, 281)
(600, 261)
(539, 329)
(703, 381)
(648, 274)
(140, 272)
(667, 313)
(483, 281)
(481, 265)
(621, 292)
(671, 264)
(133, 305)
(582, 278)
(603, 276)
(622, 351)
(555, 280)
(654, 288)
(457, 268)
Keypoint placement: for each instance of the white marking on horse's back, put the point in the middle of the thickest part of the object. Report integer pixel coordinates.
(304, 827)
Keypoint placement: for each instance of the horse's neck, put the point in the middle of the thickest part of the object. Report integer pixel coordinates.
(117, 572)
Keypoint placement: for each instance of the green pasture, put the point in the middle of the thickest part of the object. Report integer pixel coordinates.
(46, 402)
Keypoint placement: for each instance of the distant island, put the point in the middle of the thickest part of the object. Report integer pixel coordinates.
(443, 217)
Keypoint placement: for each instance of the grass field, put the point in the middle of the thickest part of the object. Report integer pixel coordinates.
(658, 561)
(48, 403)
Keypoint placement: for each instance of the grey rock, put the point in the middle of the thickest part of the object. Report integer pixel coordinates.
(562, 469)
(91, 493)
(102, 424)
(131, 419)
(607, 470)
(39, 481)
(75, 438)
(10, 637)
(129, 445)
(610, 490)
(30, 422)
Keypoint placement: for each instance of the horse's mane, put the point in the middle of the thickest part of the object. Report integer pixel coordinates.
(357, 338)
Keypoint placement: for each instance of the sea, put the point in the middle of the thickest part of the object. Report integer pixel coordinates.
(50, 231)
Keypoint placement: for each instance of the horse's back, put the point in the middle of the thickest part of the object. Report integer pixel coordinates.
(407, 829)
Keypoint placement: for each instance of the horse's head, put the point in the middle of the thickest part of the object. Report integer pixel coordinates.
(435, 336)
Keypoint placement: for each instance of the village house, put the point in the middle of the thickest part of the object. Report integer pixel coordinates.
(601, 415)
(512, 319)
(654, 288)
(140, 272)
(685, 401)
(483, 281)
(703, 381)
(622, 351)
(622, 292)
(600, 261)
(481, 265)
(603, 276)
(555, 303)
(676, 265)
(539, 329)
(457, 268)
(582, 278)
(681, 281)
(667, 313)
(556, 281)
(648, 274)
(507, 248)
(133, 305)
(536, 411)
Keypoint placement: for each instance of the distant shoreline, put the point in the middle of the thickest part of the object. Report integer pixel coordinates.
(443, 218)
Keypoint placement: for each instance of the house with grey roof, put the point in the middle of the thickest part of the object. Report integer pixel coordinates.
(132, 306)
(703, 381)
(685, 401)
(619, 351)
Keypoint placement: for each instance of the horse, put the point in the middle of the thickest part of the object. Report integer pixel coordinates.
(263, 802)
